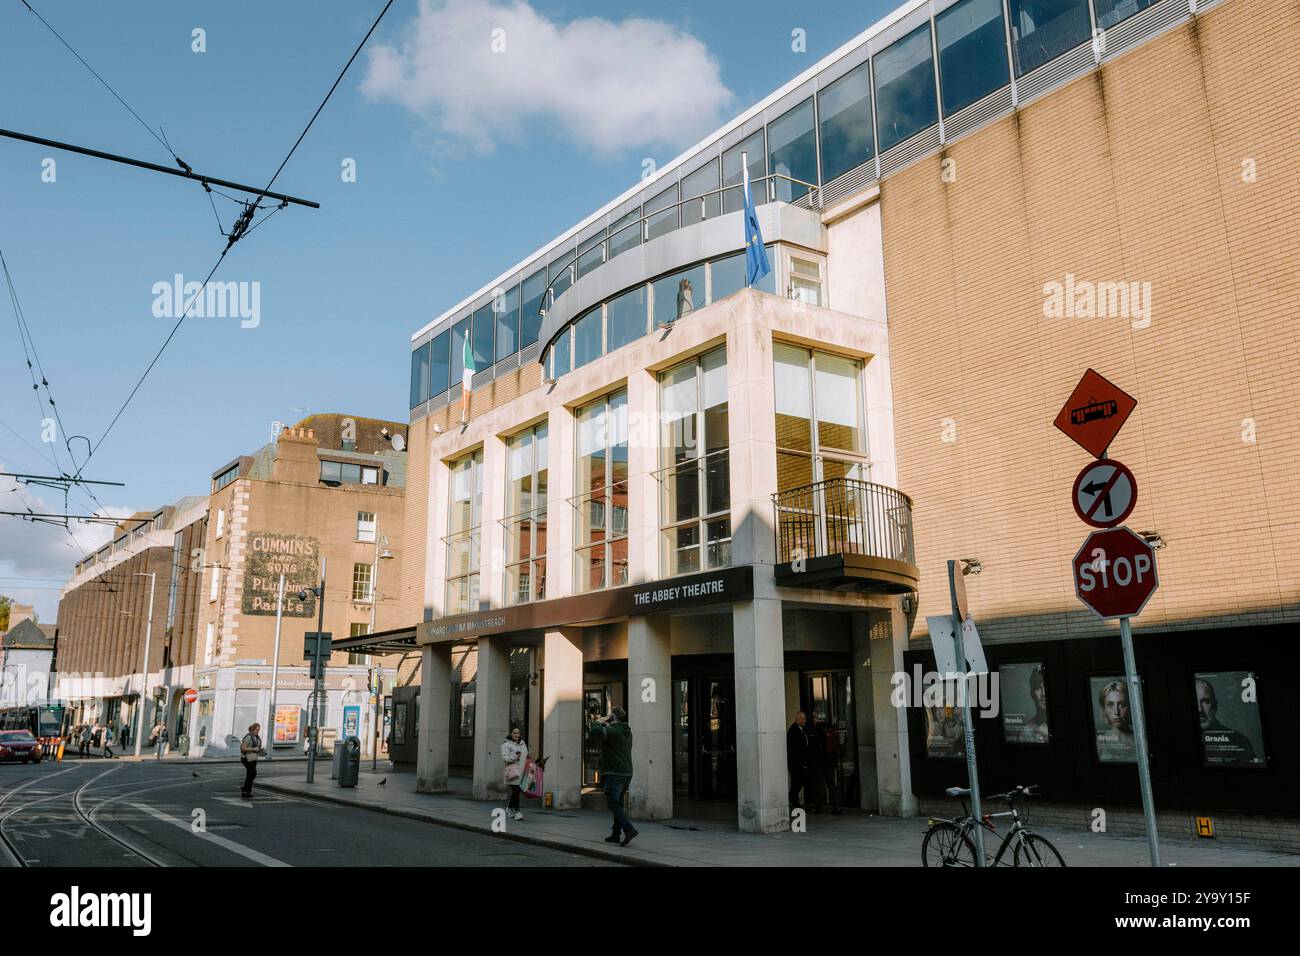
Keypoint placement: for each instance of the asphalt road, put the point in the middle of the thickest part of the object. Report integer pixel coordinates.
(110, 813)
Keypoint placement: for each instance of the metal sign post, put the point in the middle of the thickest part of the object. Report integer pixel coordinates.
(275, 670)
(1140, 739)
(968, 725)
(318, 675)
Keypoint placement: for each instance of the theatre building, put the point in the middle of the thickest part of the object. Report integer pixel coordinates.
(716, 505)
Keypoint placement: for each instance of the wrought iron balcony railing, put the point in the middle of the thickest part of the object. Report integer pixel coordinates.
(843, 516)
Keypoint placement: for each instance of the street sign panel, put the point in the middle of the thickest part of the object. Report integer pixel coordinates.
(1115, 573)
(1104, 493)
(311, 645)
(1095, 412)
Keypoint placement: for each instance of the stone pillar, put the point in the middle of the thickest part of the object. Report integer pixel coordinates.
(491, 715)
(435, 719)
(649, 675)
(562, 715)
(491, 588)
(561, 432)
(864, 711)
(761, 780)
(893, 758)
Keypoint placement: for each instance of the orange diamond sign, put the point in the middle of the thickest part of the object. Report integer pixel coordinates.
(1095, 412)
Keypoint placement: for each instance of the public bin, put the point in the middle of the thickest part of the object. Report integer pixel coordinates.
(348, 755)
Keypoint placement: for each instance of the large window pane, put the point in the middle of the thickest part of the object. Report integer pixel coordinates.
(792, 151)
(627, 318)
(847, 138)
(506, 308)
(439, 363)
(732, 175)
(1042, 30)
(482, 344)
(531, 320)
(1111, 12)
(713, 393)
(625, 233)
(587, 338)
(972, 52)
(560, 353)
(678, 404)
(839, 417)
(703, 180)
(905, 102)
(561, 273)
(591, 258)
(793, 393)
(420, 375)
(729, 275)
(665, 221)
(458, 333)
(677, 295)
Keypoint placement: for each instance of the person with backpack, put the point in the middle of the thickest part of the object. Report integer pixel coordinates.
(250, 748)
(108, 741)
(823, 761)
(615, 739)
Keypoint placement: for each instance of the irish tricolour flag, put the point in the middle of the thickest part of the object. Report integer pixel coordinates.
(466, 377)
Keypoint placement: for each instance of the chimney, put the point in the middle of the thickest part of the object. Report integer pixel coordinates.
(19, 613)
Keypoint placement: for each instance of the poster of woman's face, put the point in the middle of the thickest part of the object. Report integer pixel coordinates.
(1112, 720)
(1227, 707)
(1022, 688)
(945, 737)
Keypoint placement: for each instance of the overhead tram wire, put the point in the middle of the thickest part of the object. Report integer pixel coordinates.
(237, 233)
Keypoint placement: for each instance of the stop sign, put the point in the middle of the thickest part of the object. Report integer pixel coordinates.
(1115, 573)
(191, 696)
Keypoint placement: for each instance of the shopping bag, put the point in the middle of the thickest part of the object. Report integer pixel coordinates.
(531, 784)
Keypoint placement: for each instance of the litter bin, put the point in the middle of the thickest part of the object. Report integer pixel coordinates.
(348, 755)
(338, 758)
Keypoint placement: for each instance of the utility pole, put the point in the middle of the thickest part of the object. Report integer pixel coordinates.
(275, 669)
(144, 677)
(313, 732)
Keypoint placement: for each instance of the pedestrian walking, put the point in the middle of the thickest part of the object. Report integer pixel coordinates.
(513, 753)
(797, 747)
(108, 741)
(823, 761)
(84, 741)
(124, 738)
(250, 748)
(615, 739)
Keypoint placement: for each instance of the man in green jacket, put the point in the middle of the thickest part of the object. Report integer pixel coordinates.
(615, 739)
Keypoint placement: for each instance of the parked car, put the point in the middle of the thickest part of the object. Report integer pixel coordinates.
(19, 745)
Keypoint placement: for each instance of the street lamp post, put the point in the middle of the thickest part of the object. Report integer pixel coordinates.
(312, 729)
(376, 678)
(144, 677)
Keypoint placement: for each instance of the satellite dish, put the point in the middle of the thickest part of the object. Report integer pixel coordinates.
(399, 443)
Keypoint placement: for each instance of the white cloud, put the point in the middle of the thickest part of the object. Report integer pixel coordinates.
(36, 559)
(608, 86)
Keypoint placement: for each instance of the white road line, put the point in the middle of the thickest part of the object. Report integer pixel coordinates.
(230, 845)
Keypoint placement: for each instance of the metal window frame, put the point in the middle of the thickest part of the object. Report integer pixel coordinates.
(605, 492)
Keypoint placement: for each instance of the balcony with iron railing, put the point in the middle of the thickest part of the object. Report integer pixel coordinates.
(845, 534)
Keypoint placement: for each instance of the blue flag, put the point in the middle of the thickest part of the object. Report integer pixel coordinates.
(756, 264)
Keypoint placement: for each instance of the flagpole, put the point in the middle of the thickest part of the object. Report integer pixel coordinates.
(744, 169)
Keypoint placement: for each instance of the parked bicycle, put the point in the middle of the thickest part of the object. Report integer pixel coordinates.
(950, 842)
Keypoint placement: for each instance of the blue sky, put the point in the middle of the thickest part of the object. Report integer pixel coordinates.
(467, 160)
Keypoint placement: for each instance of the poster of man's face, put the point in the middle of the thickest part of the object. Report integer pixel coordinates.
(1227, 708)
(945, 737)
(1112, 720)
(1023, 691)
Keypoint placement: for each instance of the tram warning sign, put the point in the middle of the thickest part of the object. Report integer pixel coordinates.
(1095, 412)
(1104, 493)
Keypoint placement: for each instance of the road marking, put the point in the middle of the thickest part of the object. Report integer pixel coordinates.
(230, 845)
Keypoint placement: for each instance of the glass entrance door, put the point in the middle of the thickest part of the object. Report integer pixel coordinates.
(704, 738)
(828, 697)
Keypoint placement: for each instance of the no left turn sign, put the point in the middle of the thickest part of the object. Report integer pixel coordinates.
(1104, 493)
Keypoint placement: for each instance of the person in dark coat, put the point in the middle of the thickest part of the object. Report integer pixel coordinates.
(824, 752)
(615, 739)
(797, 755)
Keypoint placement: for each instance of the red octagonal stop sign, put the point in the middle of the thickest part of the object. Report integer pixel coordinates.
(1115, 573)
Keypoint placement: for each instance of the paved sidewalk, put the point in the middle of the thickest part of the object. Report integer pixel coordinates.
(853, 839)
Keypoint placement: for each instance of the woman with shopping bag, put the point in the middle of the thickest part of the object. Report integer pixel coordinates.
(513, 753)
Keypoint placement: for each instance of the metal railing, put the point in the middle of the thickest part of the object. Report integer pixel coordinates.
(843, 516)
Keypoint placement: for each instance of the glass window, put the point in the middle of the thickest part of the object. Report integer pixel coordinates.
(792, 151)
(590, 260)
(439, 359)
(369, 476)
(458, 333)
(506, 308)
(466, 480)
(587, 337)
(661, 223)
(805, 281)
(600, 546)
(972, 52)
(695, 477)
(361, 584)
(1111, 12)
(1042, 30)
(561, 357)
(677, 295)
(331, 471)
(525, 524)
(625, 233)
(561, 274)
(827, 443)
(839, 418)
(627, 318)
(905, 103)
(531, 321)
(703, 180)
(482, 343)
(845, 106)
(732, 175)
(728, 275)
(351, 474)
(420, 375)
(365, 526)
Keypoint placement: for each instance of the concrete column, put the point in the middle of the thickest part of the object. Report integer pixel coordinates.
(559, 512)
(643, 487)
(492, 565)
(649, 675)
(491, 715)
(761, 780)
(562, 715)
(752, 437)
(864, 710)
(893, 758)
(435, 719)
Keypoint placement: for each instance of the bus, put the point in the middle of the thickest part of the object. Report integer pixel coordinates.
(46, 722)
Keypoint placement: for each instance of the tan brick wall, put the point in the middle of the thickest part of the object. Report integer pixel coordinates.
(1134, 173)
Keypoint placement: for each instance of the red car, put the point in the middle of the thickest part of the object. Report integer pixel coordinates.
(19, 745)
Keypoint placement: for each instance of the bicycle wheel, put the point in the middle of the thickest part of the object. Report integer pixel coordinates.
(1035, 850)
(941, 847)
